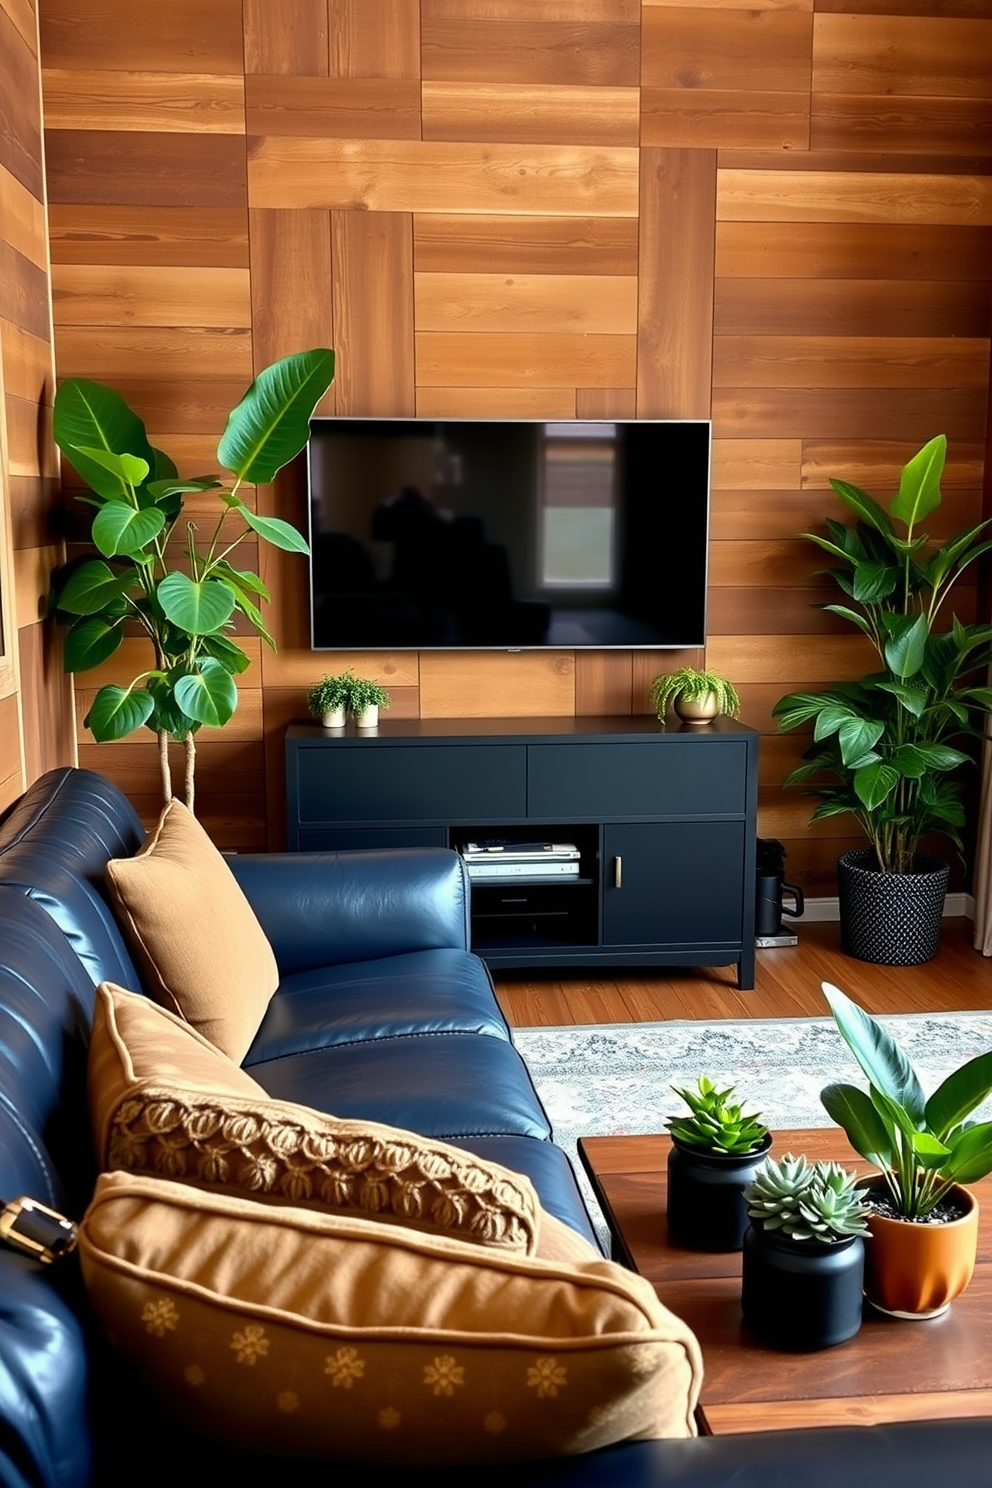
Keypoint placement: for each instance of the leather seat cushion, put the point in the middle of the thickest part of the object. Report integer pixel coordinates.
(434, 991)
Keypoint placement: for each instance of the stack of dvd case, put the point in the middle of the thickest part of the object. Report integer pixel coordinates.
(493, 857)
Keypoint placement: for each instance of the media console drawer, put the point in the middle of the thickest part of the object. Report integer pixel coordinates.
(366, 783)
(635, 780)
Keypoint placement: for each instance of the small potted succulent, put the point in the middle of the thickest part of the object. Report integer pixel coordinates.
(365, 698)
(328, 699)
(696, 697)
(923, 1220)
(716, 1151)
(803, 1262)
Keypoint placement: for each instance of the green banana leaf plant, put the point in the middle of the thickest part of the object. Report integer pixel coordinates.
(183, 595)
(922, 1146)
(884, 747)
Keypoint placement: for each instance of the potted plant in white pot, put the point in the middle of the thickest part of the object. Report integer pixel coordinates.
(924, 1220)
(151, 574)
(716, 1150)
(885, 747)
(695, 696)
(803, 1262)
(365, 698)
(328, 699)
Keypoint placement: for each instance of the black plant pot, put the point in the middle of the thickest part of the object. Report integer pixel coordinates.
(706, 1208)
(890, 919)
(801, 1294)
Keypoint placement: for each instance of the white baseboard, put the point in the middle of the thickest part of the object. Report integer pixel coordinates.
(956, 906)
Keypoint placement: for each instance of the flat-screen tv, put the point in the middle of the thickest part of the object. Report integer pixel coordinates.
(508, 534)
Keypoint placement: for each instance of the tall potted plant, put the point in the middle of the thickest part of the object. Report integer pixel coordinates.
(924, 1220)
(181, 596)
(885, 748)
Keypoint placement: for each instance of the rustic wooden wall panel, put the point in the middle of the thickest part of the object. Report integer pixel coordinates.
(455, 195)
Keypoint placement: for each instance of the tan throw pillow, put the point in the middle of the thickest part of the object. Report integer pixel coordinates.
(164, 1101)
(316, 1335)
(195, 936)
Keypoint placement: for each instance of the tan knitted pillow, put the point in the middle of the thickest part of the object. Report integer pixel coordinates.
(164, 1101)
(317, 1335)
(199, 946)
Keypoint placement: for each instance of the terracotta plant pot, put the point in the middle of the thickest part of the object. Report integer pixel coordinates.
(697, 710)
(916, 1270)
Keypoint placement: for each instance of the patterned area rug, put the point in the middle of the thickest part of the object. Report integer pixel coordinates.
(613, 1078)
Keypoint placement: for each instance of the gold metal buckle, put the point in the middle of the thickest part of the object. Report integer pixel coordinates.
(37, 1230)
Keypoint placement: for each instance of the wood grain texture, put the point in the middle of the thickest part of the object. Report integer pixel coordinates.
(177, 237)
(453, 684)
(23, 292)
(854, 196)
(11, 773)
(341, 108)
(541, 360)
(291, 279)
(526, 113)
(901, 55)
(512, 402)
(878, 252)
(521, 50)
(374, 38)
(187, 103)
(754, 464)
(439, 176)
(920, 309)
(675, 292)
(20, 108)
(91, 166)
(861, 413)
(453, 244)
(183, 36)
(373, 306)
(541, 302)
(23, 217)
(745, 51)
(124, 295)
(22, 14)
(109, 353)
(874, 123)
(290, 39)
(757, 361)
(28, 368)
(46, 701)
(707, 118)
(627, 11)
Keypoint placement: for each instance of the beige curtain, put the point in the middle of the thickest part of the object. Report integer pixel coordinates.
(983, 852)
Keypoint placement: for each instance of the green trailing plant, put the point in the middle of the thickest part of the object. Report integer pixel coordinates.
(694, 686)
(364, 693)
(884, 747)
(806, 1200)
(716, 1124)
(329, 693)
(922, 1145)
(152, 574)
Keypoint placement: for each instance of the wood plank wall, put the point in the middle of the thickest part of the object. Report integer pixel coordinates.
(36, 722)
(774, 212)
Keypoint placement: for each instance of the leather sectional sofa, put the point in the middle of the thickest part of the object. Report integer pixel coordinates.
(382, 1014)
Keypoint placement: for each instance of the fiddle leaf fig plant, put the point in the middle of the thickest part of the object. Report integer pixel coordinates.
(923, 1145)
(884, 747)
(147, 573)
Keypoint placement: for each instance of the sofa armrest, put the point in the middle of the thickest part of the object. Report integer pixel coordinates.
(320, 909)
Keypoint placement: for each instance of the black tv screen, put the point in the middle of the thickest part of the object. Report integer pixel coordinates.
(505, 534)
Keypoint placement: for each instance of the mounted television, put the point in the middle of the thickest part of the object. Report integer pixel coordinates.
(505, 534)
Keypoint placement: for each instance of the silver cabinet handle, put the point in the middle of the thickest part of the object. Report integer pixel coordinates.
(618, 872)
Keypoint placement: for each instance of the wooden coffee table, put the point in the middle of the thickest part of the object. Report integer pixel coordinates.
(890, 1371)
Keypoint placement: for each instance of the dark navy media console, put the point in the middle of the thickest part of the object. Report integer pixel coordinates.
(664, 817)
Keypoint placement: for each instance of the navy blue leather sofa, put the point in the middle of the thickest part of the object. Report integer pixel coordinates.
(382, 1012)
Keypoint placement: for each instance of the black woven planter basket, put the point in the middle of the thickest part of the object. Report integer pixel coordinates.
(891, 919)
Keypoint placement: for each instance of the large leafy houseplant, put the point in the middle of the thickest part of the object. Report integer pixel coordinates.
(884, 747)
(180, 591)
(922, 1145)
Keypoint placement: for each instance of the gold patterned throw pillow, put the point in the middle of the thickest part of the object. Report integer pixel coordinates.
(164, 1101)
(196, 939)
(320, 1335)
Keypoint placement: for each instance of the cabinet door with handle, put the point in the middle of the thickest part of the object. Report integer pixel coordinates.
(677, 883)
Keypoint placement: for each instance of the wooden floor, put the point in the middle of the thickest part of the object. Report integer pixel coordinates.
(787, 985)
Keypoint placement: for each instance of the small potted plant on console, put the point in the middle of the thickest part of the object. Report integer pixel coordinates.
(365, 698)
(716, 1151)
(696, 697)
(328, 699)
(923, 1221)
(803, 1262)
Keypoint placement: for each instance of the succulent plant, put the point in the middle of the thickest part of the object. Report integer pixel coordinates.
(716, 1125)
(806, 1200)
